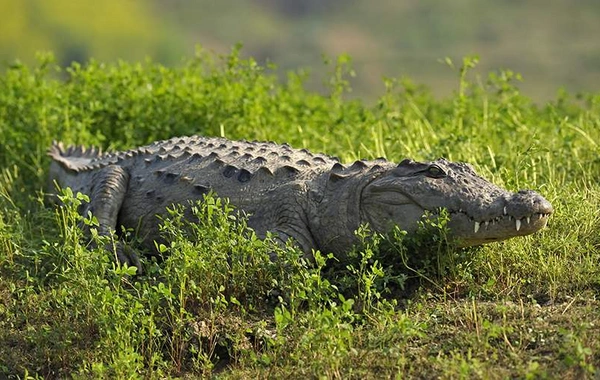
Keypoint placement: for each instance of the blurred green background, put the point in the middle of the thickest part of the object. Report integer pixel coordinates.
(553, 44)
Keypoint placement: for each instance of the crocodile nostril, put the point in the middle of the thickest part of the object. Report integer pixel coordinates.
(525, 202)
(545, 207)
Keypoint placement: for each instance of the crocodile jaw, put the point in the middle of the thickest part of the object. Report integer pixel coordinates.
(465, 231)
(502, 217)
(469, 232)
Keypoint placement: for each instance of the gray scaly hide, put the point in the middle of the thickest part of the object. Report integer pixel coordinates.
(311, 198)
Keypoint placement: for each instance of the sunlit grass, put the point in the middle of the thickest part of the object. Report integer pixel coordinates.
(218, 305)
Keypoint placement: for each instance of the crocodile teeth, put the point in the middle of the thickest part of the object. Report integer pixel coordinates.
(518, 224)
(528, 219)
(505, 210)
(487, 223)
(477, 224)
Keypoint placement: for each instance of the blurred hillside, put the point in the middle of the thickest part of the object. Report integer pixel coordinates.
(553, 44)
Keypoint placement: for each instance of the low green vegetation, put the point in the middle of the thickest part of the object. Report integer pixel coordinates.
(216, 305)
(552, 44)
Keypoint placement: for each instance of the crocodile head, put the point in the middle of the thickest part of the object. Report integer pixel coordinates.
(480, 212)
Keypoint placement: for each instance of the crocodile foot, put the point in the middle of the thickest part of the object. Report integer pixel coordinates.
(126, 255)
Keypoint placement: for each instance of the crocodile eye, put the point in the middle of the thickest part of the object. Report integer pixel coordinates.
(435, 171)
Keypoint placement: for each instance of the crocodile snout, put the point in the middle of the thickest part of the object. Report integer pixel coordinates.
(527, 203)
(514, 214)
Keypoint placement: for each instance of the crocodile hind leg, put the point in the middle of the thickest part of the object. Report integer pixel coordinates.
(106, 198)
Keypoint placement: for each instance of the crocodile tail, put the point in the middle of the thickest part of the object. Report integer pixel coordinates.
(75, 158)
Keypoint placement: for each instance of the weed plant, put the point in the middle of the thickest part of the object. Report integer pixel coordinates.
(215, 304)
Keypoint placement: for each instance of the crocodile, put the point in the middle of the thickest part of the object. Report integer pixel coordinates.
(311, 198)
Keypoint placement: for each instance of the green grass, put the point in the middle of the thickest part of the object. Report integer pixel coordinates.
(217, 305)
(553, 46)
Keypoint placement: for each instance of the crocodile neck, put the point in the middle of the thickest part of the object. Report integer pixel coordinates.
(335, 210)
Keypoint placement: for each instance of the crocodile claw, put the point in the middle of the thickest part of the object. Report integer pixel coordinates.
(126, 255)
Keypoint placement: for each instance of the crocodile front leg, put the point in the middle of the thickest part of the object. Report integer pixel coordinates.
(106, 198)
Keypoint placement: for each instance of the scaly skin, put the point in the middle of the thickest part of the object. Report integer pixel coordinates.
(310, 198)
